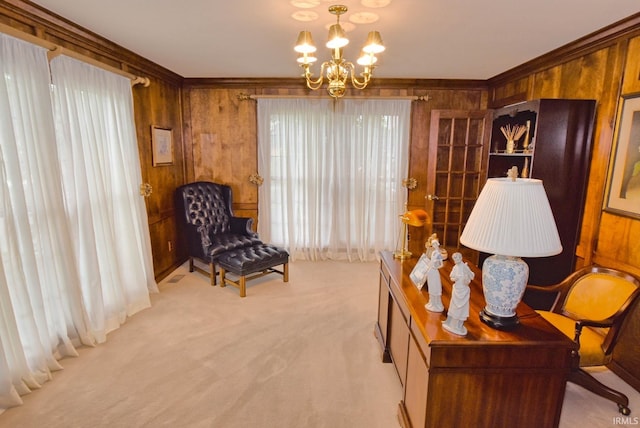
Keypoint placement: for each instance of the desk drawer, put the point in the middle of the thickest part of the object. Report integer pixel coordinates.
(502, 357)
(398, 340)
(399, 297)
(421, 343)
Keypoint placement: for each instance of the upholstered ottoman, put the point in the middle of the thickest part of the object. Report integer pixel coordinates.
(252, 262)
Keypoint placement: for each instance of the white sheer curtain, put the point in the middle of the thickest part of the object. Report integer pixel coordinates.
(43, 316)
(101, 177)
(75, 255)
(333, 175)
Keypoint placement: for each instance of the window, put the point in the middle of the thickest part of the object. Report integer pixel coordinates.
(333, 173)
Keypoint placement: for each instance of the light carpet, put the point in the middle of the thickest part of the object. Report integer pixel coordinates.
(289, 355)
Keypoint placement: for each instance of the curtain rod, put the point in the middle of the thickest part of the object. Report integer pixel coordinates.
(318, 97)
(55, 50)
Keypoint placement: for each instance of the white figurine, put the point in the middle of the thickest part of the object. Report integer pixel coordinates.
(458, 312)
(434, 284)
(428, 249)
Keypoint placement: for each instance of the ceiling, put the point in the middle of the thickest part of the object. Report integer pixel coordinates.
(428, 39)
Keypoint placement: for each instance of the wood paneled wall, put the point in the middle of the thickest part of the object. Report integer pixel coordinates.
(603, 67)
(221, 128)
(220, 136)
(159, 106)
(215, 132)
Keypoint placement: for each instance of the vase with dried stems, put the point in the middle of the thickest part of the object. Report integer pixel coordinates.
(512, 134)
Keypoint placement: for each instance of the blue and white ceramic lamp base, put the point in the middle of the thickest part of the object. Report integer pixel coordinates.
(504, 279)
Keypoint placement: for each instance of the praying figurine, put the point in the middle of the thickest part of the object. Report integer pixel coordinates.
(458, 312)
(434, 285)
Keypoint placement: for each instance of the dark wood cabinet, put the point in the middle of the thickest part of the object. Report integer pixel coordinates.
(486, 379)
(560, 141)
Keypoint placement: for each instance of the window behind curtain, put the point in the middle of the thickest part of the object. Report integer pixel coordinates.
(333, 174)
(75, 254)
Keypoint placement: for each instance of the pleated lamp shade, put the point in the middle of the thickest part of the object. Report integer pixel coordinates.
(512, 218)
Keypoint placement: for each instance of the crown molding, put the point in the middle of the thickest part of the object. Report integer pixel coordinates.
(603, 38)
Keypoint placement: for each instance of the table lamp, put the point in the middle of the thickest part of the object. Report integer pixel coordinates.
(512, 218)
(416, 218)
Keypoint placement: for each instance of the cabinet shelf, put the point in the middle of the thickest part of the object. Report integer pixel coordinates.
(516, 153)
(461, 172)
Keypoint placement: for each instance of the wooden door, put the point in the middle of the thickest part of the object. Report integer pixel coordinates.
(456, 172)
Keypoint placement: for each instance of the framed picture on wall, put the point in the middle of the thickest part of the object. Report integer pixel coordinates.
(162, 146)
(623, 183)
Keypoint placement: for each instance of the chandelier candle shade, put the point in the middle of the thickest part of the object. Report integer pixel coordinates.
(512, 218)
(337, 70)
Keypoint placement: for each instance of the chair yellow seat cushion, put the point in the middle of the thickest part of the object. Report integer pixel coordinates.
(591, 353)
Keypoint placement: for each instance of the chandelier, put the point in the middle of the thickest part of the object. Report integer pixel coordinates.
(337, 70)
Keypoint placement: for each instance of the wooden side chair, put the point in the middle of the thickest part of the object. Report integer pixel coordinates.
(590, 307)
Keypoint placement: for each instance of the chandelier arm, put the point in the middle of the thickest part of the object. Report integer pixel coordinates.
(315, 84)
(358, 84)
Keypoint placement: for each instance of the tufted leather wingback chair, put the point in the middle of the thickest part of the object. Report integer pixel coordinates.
(206, 219)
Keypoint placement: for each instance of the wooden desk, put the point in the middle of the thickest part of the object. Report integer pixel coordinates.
(488, 378)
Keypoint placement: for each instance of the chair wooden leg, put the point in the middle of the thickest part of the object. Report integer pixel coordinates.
(285, 274)
(243, 286)
(212, 273)
(590, 383)
(223, 281)
(190, 264)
